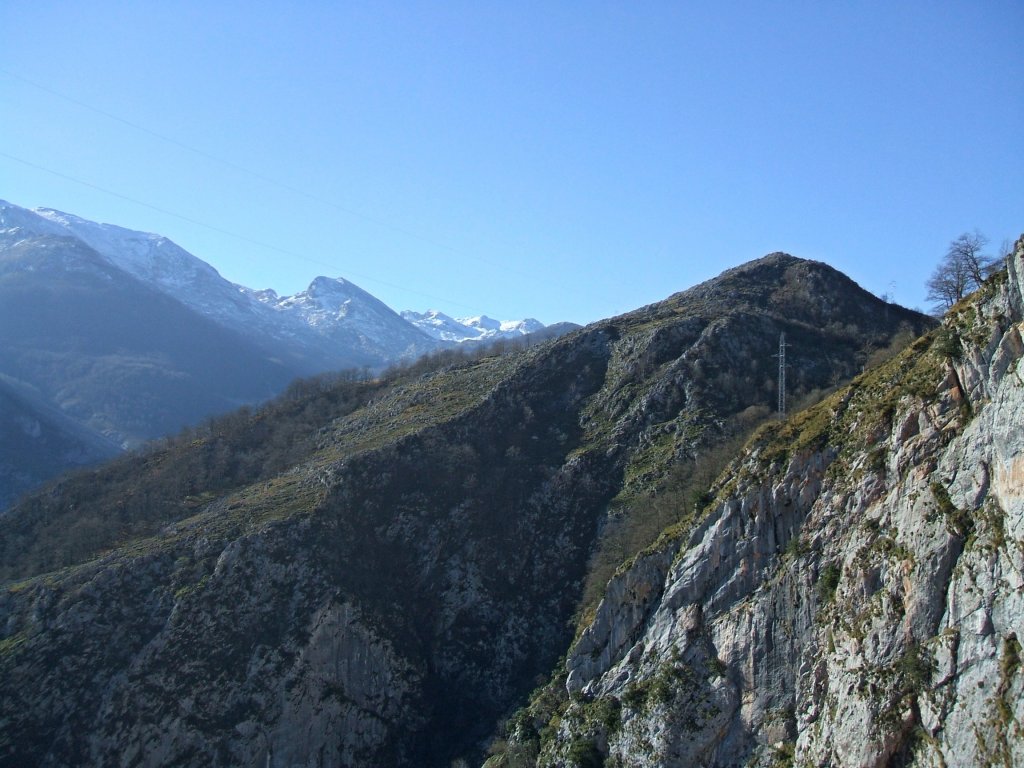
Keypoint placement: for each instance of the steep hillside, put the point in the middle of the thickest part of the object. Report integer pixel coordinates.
(121, 337)
(331, 325)
(98, 323)
(341, 325)
(852, 595)
(391, 588)
(112, 354)
(35, 440)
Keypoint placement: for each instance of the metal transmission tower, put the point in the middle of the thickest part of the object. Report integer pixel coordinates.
(782, 373)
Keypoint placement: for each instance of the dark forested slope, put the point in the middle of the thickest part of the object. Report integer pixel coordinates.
(381, 582)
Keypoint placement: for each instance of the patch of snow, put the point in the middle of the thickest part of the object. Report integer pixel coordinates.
(331, 316)
(479, 328)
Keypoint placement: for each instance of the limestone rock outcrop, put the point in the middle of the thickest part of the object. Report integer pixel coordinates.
(383, 585)
(853, 596)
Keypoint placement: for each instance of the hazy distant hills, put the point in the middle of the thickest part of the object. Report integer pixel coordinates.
(332, 324)
(35, 439)
(117, 356)
(131, 337)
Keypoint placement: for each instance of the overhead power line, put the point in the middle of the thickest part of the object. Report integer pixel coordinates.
(229, 233)
(260, 176)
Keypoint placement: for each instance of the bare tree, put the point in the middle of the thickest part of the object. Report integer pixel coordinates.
(1005, 251)
(947, 285)
(962, 270)
(968, 249)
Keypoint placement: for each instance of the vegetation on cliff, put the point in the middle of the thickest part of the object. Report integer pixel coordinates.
(445, 523)
(845, 593)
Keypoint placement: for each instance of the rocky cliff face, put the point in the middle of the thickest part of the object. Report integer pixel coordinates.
(400, 584)
(853, 596)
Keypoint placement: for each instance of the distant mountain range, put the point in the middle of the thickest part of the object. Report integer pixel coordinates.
(130, 337)
(333, 317)
(440, 326)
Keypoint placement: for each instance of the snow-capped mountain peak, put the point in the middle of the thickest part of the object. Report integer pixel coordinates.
(439, 326)
(329, 298)
(17, 221)
(483, 322)
(151, 258)
(479, 328)
(334, 293)
(521, 327)
(329, 323)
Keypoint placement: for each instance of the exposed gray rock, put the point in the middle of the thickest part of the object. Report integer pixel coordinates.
(400, 585)
(858, 601)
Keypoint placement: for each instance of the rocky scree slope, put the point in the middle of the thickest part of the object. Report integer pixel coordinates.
(853, 596)
(396, 585)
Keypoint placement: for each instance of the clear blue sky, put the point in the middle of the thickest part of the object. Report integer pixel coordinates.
(561, 160)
